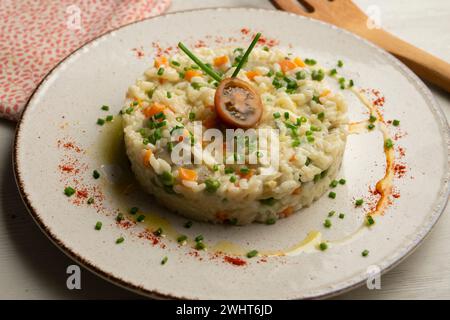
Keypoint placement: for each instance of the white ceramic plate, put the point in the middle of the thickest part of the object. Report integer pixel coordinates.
(64, 110)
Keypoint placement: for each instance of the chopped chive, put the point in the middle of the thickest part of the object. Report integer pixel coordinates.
(341, 216)
(196, 85)
(120, 240)
(188, 224)
(333, 184)
(268, 201)
(215, 167)
(119, 217)
(205, 68)
(332, 195)
(96, 174)
(370, 221)
(245, 56)
(310, 62)
(169, 95)
(323, 246)
(266, 48)
(244, 170)
(160, 71)
(233, 179)
(310, 139)
(301, 75)
(140, 218)
(271, 221)
(169, 146)
(342, 181)
(295, 143)
(286, 115)
(199, 238)
(372, 118)
(228, 170)
(350, 83)
(182, 239)
(90, 201)
(316, 99)
(98, 225)
(327, 223)
(340, 63)
(396, 123)
(365, 253)
(100, 121)
(200, 245)
(164, 260)
(252, 254)
(109, 118)
(371, 126)
(175, 63)
(318, 75)
(211, 185)
(129, 110)
(158, 232)
(69, 191)
(331, 213)
(192, 116)
(333, 72)
(342, 86)
(134, 210)
(388, 144)
(179, 119)
(359, 202)
(105, 108)
(321, 116)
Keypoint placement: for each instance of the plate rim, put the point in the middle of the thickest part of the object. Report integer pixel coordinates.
(346, 286)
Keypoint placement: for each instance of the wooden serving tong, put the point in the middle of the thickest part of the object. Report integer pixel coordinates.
(346, 15)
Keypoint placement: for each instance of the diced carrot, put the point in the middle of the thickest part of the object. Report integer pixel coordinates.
(154, 109)
(299, 62)
(190, 74)
(221, 216)
(293, 157)
(247, 175)
(325, 93)
(287, 212)
(297, 191)
(180, 138)
(160, 61)
(286, 65)
(220, 61)
(147, 156)
(187, 174)
(252, 74)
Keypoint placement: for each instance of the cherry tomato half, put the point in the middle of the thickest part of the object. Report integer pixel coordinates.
(237, 103)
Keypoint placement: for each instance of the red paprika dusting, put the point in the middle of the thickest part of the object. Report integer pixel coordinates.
(399, 170)
(82, 193)
(234, 261)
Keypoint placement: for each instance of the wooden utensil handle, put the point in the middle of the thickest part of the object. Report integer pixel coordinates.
(425, 65)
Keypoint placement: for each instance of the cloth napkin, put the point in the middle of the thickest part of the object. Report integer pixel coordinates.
(37, 34)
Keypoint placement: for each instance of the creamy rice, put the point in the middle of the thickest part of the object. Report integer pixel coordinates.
(311, 120)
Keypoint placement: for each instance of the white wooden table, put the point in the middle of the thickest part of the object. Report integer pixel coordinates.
(31, 267)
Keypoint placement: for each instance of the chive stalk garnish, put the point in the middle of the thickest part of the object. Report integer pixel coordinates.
(164, 260)
(204, 67)
(245, 56)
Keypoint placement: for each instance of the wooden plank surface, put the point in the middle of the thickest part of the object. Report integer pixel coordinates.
(31, 267)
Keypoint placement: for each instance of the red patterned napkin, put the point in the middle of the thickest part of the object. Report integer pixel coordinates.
(36, 35)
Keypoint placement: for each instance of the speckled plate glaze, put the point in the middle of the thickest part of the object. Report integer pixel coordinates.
(67, 104)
